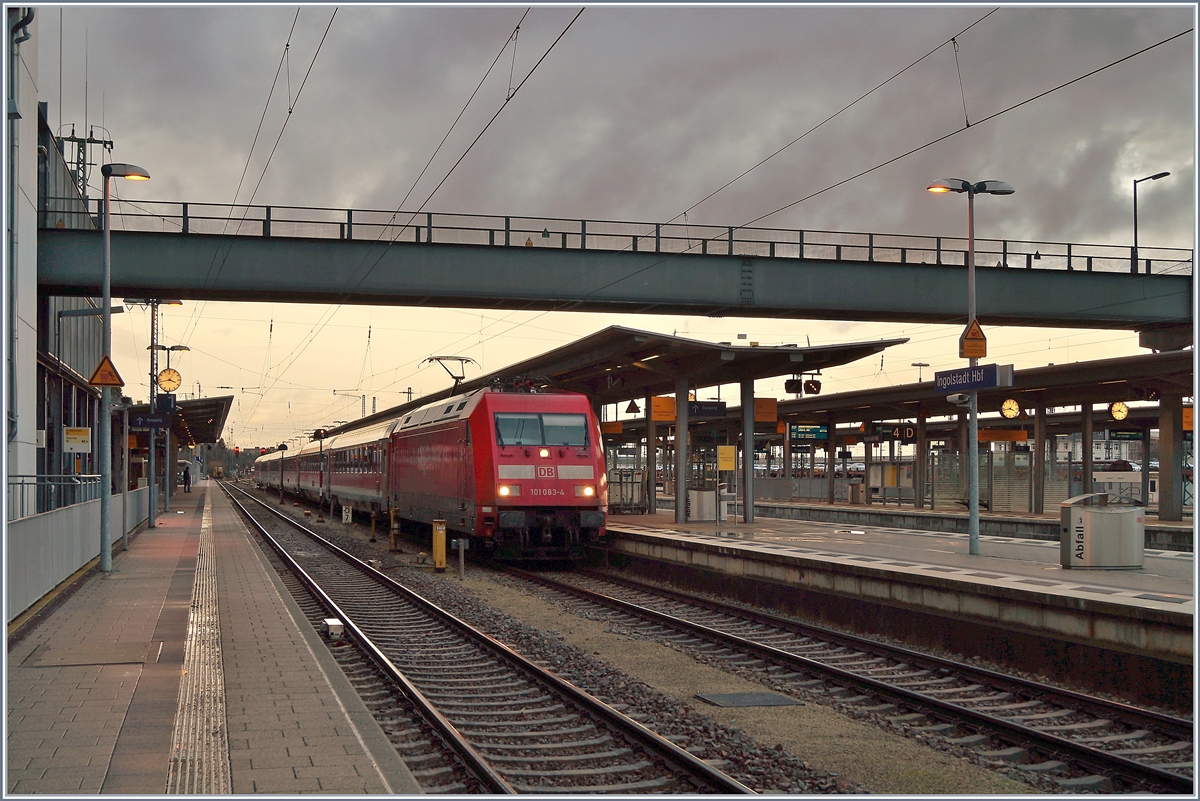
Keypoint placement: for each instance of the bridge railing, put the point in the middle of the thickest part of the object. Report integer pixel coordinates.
(606, 235)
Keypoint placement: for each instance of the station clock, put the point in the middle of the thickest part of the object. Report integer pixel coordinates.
(1010, 408)
(1118, 410)
(169, 380)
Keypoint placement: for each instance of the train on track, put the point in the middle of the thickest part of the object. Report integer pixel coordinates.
(518, 471)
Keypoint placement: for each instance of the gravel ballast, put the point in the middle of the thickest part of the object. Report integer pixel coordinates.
(808, 748)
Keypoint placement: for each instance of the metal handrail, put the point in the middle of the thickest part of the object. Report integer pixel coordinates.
(35, 494)
(365, 225)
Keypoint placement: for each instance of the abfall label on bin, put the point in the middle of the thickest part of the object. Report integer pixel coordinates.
(1080, 541)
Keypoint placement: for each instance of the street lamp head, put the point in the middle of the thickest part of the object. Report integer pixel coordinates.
(131, 172)
(943, 185)
(179, 347)
(1154, 177)
(994, 188)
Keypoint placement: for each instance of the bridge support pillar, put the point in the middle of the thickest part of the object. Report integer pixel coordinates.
(1088, 448)
(830, 469)
(747, 387)
(681, 448)
(651, 456)
(787, 450)
(1170, 458)
(1039, 458)
(922, 459)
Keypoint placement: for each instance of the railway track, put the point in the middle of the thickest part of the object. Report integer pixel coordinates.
(1072, 740)
(467, 713)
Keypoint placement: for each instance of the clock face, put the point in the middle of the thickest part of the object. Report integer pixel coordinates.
(169, 380)
(1119, 411)
(1010, 409)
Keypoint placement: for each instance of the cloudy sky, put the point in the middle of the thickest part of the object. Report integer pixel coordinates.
(638, 113)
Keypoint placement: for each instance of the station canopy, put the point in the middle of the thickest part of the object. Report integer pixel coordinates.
(1142, 377)
(196, 422)
(619, 364)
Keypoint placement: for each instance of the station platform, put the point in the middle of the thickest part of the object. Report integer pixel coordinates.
(188, 669)
(1012, 600)
(1165, 535)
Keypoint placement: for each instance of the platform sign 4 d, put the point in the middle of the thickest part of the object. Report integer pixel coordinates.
(972, 344)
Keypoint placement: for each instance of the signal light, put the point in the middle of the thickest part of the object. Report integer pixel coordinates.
(237, 451)
(793, 386)
(812, 387)
(262, 451)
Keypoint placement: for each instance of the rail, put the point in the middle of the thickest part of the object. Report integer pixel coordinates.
(34, 494)
(365, 225)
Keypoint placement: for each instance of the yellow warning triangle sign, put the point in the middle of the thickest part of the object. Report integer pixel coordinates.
(972, 344)
(106, 375)
(974, 331)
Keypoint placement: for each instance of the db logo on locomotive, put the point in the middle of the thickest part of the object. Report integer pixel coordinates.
(546, 471)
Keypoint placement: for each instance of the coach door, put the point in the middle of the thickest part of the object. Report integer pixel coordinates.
(465, 468)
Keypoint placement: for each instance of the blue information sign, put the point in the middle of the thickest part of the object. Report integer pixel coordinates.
(706, 409)
(967, 378)
(144, 420)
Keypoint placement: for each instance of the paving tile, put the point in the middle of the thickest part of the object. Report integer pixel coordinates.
(107, 728)
(259, 761)
(329, 774)
(60, 780)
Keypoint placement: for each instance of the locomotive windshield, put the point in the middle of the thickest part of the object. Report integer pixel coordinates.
(565, 429)
(541, 429)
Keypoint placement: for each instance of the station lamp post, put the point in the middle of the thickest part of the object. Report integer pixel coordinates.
(132, 173)
(168, 381)
(1134, 267)
(152, 304)
(282, 452)
(942, 186)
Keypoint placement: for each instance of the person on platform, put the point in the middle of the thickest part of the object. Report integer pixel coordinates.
(187, 479)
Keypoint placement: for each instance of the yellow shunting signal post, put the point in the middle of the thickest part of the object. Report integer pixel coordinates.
(439, 546)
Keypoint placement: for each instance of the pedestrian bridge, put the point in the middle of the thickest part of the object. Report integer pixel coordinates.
(321, 255)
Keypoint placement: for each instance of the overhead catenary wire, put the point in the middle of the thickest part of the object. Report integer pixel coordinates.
(942, 138)
(961, 91)
(903, 155)
(195, 317)
(333, 307)
(350, 289)
(833, 116)
(955, 132)
(450, 130)
(726, 185)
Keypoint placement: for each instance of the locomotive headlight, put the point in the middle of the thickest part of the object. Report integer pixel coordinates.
(544, 453)
(506, 490)
(584, 491)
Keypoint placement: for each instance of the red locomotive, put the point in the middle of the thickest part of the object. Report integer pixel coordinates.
(521, 473)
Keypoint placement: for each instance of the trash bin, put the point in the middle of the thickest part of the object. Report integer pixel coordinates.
(701, 505)
(1095, 535)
